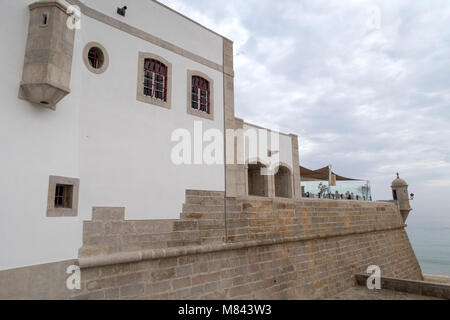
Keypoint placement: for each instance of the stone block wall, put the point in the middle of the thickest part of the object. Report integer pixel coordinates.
(270, 249)
(258, 218)
(296, 270)
(109, 233)
(421, 288)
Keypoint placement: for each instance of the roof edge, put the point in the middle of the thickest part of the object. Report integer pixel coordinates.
(192, 20)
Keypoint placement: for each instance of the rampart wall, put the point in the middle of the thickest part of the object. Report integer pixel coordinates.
(275, 249)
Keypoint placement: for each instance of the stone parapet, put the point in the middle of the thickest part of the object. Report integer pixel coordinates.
(424, 288)
(274, 249)
(152, 254)
(306, 269)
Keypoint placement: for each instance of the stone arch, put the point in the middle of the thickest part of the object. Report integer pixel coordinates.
(283, 182)
(257, 184)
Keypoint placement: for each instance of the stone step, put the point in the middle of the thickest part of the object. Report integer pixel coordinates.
(185, 225)
(113, 227)
(120, 233)
(198, 216)
(205, 193)
(212, 233)
(205, 200)
(186, 235)
(129, 242)
(197, 208)
(237, 215)
(149, 237)
(152, 226)
(237, 223)
(211, 224)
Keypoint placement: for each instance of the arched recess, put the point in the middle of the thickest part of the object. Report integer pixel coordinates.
(258, 184)
(283, 182)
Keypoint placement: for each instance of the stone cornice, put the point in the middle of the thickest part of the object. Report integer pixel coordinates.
(50, 3)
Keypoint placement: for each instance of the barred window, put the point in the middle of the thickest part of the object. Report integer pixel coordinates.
(63, 196)
(200, 99)
(95, 57)
(62, 200)
(155, 79)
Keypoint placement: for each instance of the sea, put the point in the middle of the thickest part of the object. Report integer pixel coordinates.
(430, 239)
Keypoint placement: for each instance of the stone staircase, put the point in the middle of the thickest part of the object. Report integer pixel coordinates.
(201, 222)
(206, 208)
(109, 233)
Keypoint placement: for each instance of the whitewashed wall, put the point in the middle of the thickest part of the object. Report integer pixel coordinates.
(117, 146)
(159, 20)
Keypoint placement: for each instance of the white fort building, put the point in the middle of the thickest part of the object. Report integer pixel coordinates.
(94, 103)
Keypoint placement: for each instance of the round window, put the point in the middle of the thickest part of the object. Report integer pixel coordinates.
(95, 57)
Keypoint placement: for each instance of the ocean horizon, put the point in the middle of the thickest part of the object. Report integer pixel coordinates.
(430, 239)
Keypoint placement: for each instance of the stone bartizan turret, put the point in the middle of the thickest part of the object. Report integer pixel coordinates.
(401, 195)
(48, 54)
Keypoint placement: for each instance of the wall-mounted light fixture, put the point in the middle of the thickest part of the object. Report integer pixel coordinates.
(122, 11)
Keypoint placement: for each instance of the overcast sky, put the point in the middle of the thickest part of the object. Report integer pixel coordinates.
(364, 84)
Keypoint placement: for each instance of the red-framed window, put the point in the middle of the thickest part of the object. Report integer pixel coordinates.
(155, 79)
(63, 196)
(200, 94)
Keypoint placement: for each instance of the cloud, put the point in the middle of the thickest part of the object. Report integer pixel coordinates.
(370, 99)
(438, 183)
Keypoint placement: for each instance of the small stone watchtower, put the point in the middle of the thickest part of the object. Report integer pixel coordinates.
(401, 195)
(48, 54)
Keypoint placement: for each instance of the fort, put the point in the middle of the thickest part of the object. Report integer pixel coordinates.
(90, 182)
